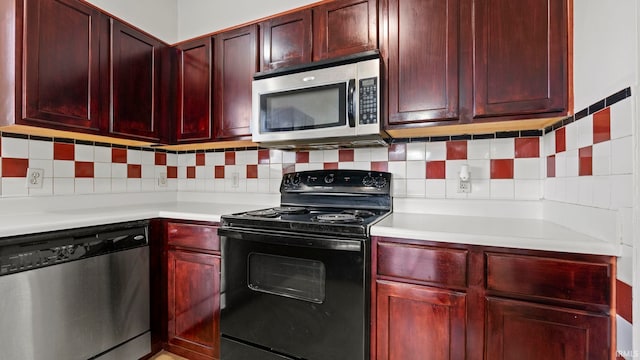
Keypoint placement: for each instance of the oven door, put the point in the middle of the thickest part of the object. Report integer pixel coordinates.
(290, 296)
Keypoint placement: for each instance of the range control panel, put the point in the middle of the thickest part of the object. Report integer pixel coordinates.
(337, 181)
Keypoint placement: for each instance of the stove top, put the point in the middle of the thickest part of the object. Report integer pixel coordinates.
(325, 202)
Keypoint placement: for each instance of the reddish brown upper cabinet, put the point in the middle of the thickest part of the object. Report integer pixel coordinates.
(285, 40)
(195, 63)
(520, 57)
(422, 47)
(236, 60)
(135, 83)
(65, 61)
(344, 27)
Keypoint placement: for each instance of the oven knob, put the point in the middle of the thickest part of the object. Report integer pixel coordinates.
(329, 179)
(367, 181)
(287, 180)
(296, 179)
(380, 182)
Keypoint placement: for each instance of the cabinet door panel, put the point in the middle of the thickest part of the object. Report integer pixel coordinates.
(236, 61)
(344, 27)
(423, 60)
(62, 65)
(194, 302)
(417, 322)
(520, 57)
(286, 40)
(517, 330)
(134, 82)
(194, 91)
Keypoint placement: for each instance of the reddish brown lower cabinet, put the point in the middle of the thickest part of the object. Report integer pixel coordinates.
(193, 287)
(418, 322)
(434, 300)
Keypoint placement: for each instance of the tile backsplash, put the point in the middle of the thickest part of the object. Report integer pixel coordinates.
(585, 159)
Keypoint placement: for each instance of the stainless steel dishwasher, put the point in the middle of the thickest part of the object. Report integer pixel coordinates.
(76, 294)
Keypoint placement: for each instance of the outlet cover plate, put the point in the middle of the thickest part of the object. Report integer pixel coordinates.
(35, 177)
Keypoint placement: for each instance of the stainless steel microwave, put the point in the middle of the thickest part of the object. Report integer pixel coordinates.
(325, 106)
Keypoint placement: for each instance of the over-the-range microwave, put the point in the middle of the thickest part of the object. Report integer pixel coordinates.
(322, 105)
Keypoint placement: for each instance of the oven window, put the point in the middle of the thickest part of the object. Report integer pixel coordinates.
(309, 108)
(296, 278)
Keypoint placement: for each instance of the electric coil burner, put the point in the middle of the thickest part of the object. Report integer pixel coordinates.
(296, 278)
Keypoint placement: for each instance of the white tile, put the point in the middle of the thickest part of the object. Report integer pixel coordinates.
(572, 162)
(526, 168)
(503, 148)
(134, 185)
(83, 152)
(436, 150)
(45, 190)
(12, 187)
(416, 169)
(185, 159)
(40, 149)
(452, 190)
(102, 154)
(416, 151)
(436, 188)
(622, 119)
(63, 186)
(527, 190)
(263, 171)
(479, 149)
(549, 143)
(503, 189)
(207, 170)
(345, 165)
(561, 164)
(625, 218)
(101, 170)
(571, 135)
(101, 186)
(304, 167)
(134, 156)
(275, 171)
(361, 165)
(274, 186)
(320, 166)
(172, 159)
(209, 185)
(252, 185)
(118, 185)
(200, 185)
(83, 186)
(569, 189)
(585, 190)
(263, 186)
(399, 187)
(480, 189)
(15, 148)
(362, 154)
(416, 188)
(316, 156)
(248, 157)
(46, 165)
(149, 171)
(379, 154)
(182, 172)
(621, 191)
(147, 157)
(478, 169)
(330, 155)
(622, 155)
(275, 156)
(398, 169)
(214, 158)
(148, 184)
(624, 266)
(288, 157)
(63, 169)
(119, 171)
(452, 168)
(584, 132)
(601, 192)
(601, 164)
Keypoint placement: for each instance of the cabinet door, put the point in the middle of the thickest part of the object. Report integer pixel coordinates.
(286, 40)
(418, 322)
(520, 57)
(524, 331)
(134, 85)
(344, 27)
(423, 55)
(235, 63)
(63, 65)
(194, 91)
(194, 302)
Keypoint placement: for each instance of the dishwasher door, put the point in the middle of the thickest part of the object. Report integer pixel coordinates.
(77, 310)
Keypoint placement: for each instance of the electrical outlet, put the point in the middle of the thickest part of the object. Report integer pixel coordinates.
(162, 179)
(35, 177)
(464, 186)
(235, 180)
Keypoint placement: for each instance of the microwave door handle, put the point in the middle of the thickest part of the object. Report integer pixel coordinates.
(351, 114)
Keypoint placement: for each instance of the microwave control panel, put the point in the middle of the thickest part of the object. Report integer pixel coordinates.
(368, 96)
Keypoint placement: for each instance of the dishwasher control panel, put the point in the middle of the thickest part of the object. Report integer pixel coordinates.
(28, 252)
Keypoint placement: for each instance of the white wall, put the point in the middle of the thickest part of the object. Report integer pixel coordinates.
(157, 17)
(198, 17)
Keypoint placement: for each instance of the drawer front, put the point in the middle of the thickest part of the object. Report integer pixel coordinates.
(551, 278)
(193, 236)
(437, 266)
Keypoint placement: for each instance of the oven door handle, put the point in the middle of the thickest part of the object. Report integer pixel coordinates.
(301, 240)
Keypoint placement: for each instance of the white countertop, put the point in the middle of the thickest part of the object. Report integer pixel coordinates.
(532, 234)
(25, 216)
